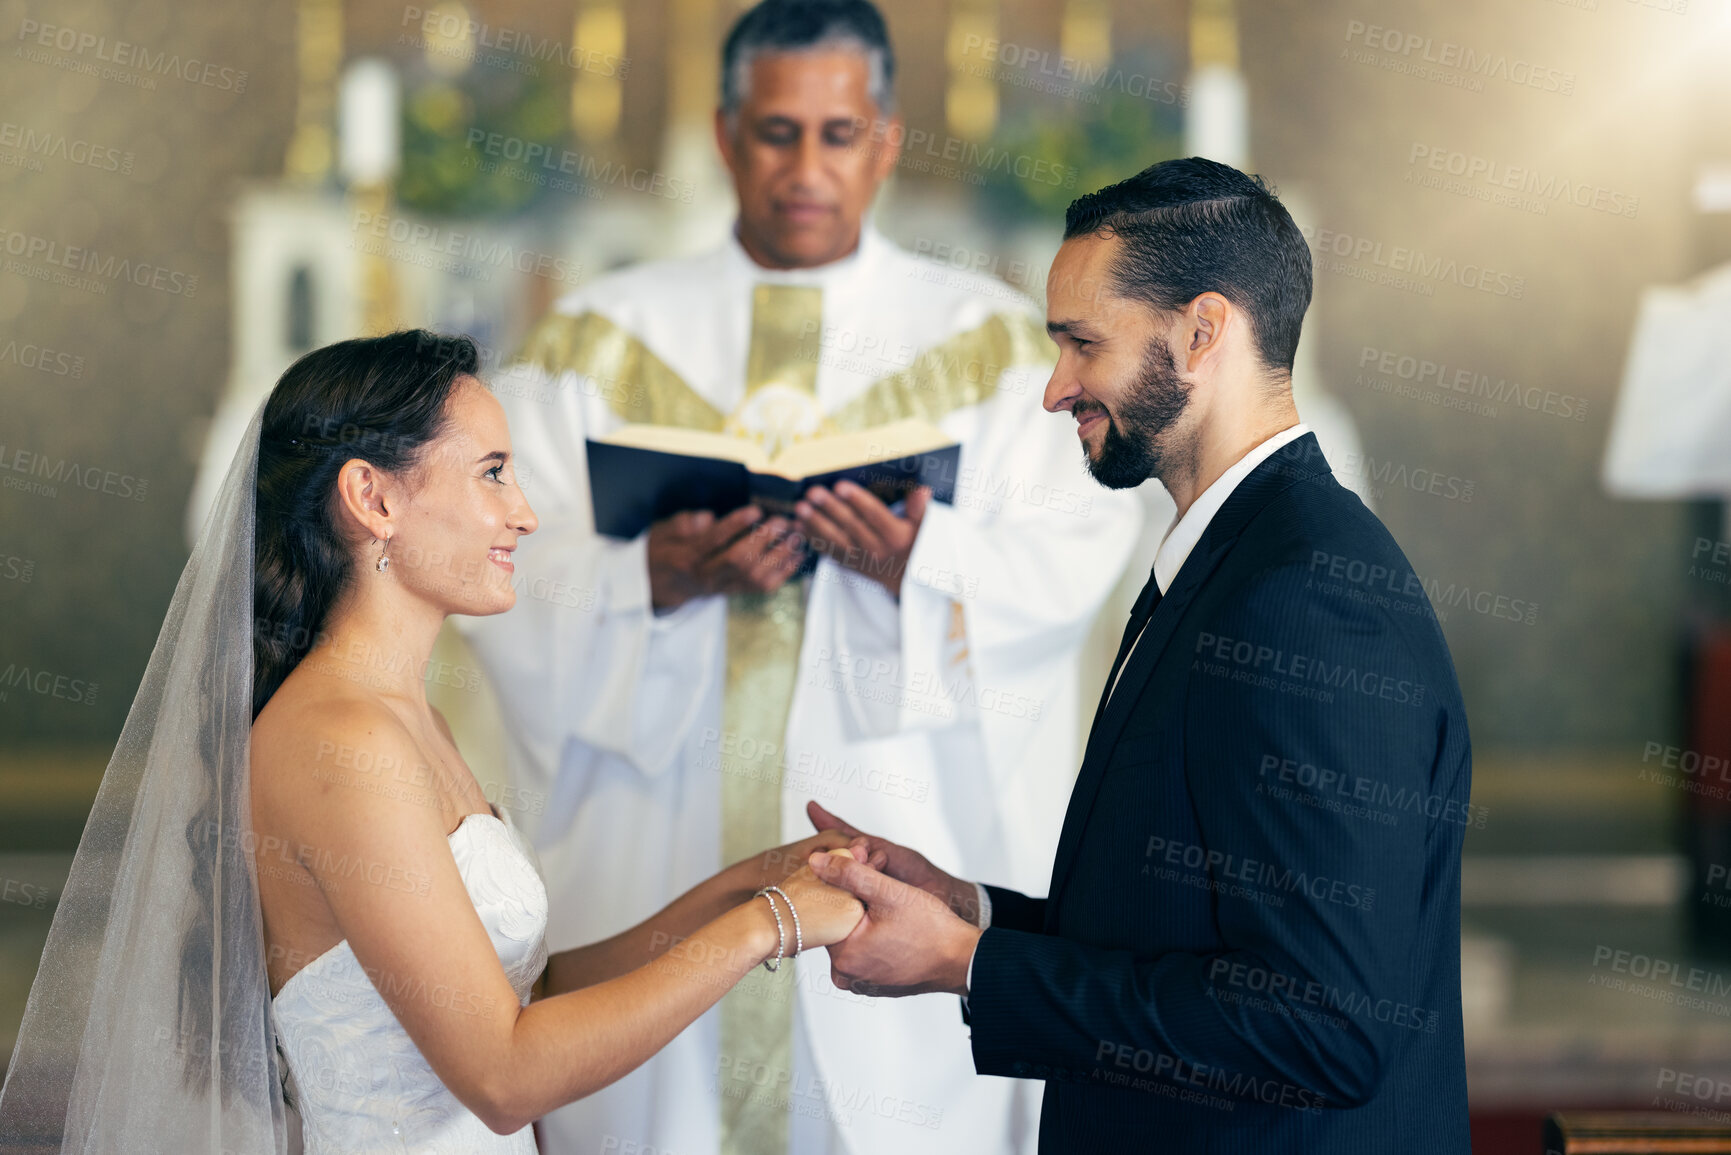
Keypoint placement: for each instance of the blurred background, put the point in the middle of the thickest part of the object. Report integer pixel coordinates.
(1520, 215)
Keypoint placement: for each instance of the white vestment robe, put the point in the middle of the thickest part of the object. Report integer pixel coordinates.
(947, 721)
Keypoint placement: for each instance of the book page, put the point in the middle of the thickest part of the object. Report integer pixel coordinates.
(691, 443)
(889, 442)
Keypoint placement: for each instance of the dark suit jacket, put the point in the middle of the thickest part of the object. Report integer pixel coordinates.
(1252, 939)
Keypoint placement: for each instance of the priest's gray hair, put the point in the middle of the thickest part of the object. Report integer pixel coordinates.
(777, 26)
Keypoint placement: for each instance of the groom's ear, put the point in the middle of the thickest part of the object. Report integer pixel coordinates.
(1205, 324)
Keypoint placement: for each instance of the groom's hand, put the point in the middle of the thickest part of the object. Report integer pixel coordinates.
(908, 943)
(903, 865)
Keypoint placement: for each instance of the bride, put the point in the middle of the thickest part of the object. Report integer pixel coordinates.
(290, 877)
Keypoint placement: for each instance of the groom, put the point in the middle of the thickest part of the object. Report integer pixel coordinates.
(1251, 941)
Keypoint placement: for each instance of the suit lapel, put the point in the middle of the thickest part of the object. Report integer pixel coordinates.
(1288, 465)
(1114, 712)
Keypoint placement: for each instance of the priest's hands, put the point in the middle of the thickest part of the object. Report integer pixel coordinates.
(695, 554)
(855, 529)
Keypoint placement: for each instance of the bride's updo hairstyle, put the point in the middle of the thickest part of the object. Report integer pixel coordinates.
(381, 399)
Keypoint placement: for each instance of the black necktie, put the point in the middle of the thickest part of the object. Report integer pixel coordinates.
(1139, 615)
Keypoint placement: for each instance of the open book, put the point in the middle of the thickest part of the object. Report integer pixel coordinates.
(639, 474)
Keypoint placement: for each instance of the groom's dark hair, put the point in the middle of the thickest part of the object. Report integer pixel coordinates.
(1192, 226)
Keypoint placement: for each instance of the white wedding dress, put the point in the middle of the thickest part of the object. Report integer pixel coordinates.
(361, 1084)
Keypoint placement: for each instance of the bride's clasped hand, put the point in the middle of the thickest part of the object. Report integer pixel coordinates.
(822, 915)
(779, 909)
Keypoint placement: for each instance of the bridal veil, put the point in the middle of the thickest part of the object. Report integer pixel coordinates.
(148, 1025)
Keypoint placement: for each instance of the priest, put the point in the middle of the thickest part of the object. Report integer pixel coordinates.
(676, 698)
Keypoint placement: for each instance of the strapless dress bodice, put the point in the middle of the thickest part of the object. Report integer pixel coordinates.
(360, 1083)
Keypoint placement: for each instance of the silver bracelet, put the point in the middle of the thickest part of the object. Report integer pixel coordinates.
(780, 931)
(798, 939)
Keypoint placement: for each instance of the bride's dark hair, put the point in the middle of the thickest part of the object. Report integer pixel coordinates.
(381, 399)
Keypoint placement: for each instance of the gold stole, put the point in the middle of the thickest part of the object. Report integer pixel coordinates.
(763, 637)
(764, 631)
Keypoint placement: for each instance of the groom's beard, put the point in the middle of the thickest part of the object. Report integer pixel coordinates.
(1132, 452)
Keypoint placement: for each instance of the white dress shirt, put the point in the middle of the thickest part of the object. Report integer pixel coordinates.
(1181, 537)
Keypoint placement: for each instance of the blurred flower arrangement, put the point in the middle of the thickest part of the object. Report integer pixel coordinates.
(449, 124)
(1104, 133)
